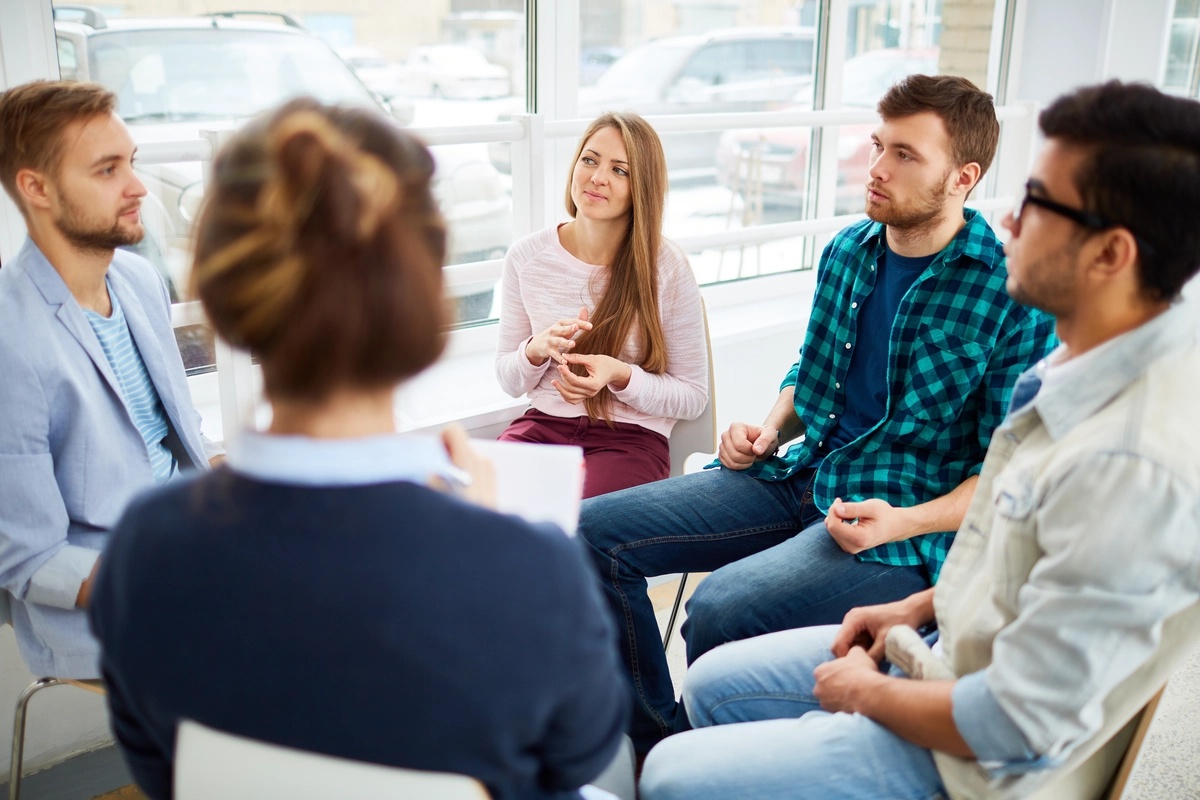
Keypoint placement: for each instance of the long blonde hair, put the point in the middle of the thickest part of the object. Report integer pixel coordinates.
(630, 301)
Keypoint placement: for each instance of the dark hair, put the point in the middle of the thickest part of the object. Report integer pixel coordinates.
(320, 248)
(33, 119)
(966, 110)
(1142, 171)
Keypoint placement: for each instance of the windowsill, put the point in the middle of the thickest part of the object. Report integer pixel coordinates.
(461, 386)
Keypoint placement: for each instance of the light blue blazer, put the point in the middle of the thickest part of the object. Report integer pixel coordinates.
(71, 457)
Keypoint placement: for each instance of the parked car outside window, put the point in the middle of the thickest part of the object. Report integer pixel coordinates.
(736, 69)
(383, 77)
(176, 76)
(452, 71)
(772, 163)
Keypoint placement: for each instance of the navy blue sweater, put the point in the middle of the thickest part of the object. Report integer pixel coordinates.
(388, 623)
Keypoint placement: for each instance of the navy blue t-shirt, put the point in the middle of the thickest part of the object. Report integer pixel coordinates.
(866, 383)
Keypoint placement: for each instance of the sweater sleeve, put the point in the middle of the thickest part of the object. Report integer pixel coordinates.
(514, 372)
(682, 391)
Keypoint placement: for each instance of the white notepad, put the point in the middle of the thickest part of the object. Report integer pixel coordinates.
(539, 482)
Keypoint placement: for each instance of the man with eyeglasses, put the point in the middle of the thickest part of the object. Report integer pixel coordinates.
(1072, 589)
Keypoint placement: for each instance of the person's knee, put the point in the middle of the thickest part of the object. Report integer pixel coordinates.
(704, 686)
(715, 615)
(668, 772)
(606, 522)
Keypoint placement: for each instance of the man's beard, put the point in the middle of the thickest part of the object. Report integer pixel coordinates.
(922, 212)
(90, 237)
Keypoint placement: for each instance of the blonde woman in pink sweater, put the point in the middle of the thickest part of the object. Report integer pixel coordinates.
(600, 321)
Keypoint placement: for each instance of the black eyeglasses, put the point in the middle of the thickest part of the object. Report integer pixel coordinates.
(1087, 219)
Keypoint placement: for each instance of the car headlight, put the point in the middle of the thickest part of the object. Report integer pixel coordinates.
(190, 200)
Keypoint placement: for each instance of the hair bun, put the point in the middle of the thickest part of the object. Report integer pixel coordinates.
(320, 172)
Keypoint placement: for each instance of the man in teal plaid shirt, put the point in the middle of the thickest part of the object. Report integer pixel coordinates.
(913, 346)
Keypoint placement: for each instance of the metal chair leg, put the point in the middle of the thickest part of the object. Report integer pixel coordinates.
(18, 741)
(683, 579)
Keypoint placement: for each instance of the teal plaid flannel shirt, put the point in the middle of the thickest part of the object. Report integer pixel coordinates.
(957, 346)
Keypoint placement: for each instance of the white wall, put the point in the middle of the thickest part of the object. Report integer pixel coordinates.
(1062, 44)
(26, 53)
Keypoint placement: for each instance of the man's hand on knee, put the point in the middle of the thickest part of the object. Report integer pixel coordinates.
(867, 626)
(841, 684)
(743, 444)
(860, 526)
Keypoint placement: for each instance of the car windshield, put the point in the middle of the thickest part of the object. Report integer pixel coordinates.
(652, 64)
(215, 73)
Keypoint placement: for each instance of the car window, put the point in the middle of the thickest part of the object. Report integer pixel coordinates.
(650, 65)
(750, 60)
(207, 73)
(717, 63)
(68, 59)
(774, 57)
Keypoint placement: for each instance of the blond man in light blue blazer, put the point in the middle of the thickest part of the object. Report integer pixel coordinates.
(93, 393)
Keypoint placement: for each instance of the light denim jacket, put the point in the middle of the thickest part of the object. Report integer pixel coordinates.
(1073, 586)
(70, 455)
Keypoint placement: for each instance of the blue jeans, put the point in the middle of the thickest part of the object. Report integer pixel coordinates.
(761, 734)
(774, 567)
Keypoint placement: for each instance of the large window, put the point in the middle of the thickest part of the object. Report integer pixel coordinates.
(185, 66)
(729, 85)
(1182, 71)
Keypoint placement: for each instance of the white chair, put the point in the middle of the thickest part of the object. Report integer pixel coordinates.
(688, 438)
(18, 739)
(211, 764)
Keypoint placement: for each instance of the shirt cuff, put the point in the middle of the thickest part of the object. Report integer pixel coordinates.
(998, 744)
(637, 376)
(527, 368)
(211, 448)
(57, 582)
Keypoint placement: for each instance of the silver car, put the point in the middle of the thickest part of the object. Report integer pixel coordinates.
(175, 76)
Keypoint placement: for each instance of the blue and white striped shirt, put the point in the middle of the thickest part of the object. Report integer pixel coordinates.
(141, 398)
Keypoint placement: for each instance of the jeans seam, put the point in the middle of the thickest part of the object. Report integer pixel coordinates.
(706, 537)
(633, 651)
(741, 697)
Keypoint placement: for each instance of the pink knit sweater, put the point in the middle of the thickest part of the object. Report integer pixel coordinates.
(543, 283)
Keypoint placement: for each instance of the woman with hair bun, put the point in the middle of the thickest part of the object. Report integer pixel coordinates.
(327, 590)
(601, 323)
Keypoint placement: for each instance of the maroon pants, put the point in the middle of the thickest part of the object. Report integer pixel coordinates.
(628, 455)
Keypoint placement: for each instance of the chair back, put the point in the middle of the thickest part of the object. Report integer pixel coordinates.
(5, 608)
(213, 764)
(1140, 725)
(698, 435)
(1104, 774)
